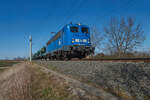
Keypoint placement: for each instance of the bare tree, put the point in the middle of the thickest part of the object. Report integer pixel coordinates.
(96, 38)
(123, 35)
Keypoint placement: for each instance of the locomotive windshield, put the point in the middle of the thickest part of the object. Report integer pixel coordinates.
(74, 29)
(85, 30)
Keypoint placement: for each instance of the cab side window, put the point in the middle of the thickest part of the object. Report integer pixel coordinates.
(74, 29)
(85, 30)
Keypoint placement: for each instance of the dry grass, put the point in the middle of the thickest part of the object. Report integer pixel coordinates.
(4, 63)
(1, 70)
(19, 86)
(49, 87)
(32, 84)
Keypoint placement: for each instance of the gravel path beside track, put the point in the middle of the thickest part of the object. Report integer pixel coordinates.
(122, 79)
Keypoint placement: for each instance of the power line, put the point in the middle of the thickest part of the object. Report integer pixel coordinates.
(81, 6)
(81, 2)
(72, 6)
(74, 10)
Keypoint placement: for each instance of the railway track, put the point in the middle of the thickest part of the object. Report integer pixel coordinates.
(118, 59)
(146, 60)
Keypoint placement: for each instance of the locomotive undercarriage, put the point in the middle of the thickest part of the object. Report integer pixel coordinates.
(71, 52)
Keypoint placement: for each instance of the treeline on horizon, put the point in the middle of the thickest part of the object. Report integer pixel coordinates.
(122, 37)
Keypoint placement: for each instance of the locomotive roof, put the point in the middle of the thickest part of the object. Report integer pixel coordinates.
(77, 25)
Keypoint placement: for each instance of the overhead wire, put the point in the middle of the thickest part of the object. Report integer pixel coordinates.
(84, 2)
(67, 13)
(79, 5)
(72, 12)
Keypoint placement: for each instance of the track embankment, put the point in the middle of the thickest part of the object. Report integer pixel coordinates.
(76, 80)
(128, 80)
(82, 90)
(29, 81)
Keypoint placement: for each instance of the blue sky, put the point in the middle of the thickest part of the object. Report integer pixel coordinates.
(21, 18)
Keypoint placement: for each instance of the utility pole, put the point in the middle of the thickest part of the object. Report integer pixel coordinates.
(30, 39)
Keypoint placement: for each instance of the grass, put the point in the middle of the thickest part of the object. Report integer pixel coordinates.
(4, 63)
(32, 84)
(49, 94)
(46, 87)
(147, 97)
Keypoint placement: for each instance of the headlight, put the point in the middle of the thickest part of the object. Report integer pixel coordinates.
(73, 40)
(84, 40)
(76, 40)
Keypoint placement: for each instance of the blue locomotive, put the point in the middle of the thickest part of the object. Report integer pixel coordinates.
(72, 41)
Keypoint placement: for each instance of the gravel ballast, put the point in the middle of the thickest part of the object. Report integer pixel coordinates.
(130, 79)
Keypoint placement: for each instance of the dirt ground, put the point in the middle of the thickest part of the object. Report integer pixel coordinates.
(5, 78)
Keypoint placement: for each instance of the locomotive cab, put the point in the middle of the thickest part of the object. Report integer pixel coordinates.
(80, 35)
(80, 43)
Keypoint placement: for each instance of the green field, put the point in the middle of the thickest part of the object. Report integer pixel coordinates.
(7, 63)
